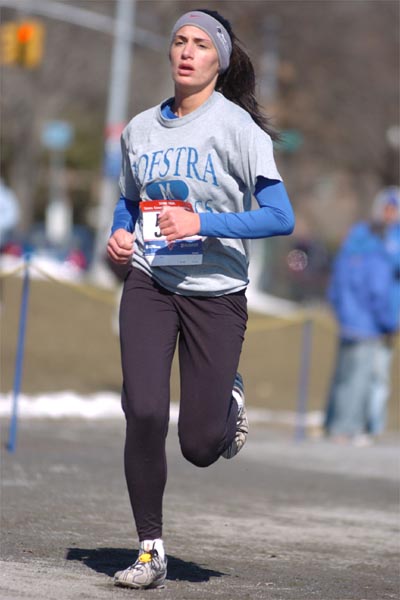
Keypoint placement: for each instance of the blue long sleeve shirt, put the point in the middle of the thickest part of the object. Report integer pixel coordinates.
(274, 217)
(126, 214)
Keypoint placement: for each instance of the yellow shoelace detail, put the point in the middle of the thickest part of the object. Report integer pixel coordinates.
(145, 557)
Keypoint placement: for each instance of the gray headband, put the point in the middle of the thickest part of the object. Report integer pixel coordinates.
(217, 32)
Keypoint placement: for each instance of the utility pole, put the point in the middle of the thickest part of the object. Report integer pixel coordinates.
(115, 121)
(270, 61)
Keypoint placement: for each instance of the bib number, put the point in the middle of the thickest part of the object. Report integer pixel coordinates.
(158, 252)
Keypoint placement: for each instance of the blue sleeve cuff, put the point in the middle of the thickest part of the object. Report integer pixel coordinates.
(125, 216)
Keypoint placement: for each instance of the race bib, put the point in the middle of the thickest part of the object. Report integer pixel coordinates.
(188, 251)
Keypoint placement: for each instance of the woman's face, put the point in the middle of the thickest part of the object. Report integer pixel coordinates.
(194, 60)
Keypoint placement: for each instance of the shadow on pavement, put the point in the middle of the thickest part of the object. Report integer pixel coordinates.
(109, 560)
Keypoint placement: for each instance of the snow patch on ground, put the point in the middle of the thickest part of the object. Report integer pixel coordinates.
(105, 405)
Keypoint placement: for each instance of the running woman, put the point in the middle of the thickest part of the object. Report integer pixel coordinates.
(184, 220)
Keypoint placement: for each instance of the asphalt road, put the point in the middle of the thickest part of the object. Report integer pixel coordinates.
(281, 521)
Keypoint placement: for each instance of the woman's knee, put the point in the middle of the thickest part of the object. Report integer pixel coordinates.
(201, 450)
(144, 419)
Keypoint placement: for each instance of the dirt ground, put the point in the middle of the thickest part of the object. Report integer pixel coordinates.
(281, 521)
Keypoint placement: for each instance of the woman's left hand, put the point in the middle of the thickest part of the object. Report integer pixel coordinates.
(177, 223)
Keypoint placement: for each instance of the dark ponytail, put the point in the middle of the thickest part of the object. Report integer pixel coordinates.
(238, 83)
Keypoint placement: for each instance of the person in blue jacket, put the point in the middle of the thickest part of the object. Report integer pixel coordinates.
(365, 297)
(386, 223)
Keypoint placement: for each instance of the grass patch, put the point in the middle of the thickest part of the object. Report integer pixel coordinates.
(70, 345)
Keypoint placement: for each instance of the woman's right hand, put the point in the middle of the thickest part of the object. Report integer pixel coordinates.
(120, 246)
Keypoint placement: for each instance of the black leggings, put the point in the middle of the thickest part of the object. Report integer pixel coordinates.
(210, 333)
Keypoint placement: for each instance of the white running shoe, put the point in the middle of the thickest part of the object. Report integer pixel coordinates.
(242, 424)
(149, 571)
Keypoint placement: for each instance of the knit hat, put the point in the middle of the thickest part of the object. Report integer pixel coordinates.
(389, 196)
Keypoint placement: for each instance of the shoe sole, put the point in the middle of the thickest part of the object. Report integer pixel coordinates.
(138, 586)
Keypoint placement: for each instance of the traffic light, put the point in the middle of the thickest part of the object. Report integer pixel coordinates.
(8, 43)
(21, 43)
(30, 35)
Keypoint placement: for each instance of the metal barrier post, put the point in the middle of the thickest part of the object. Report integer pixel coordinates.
(12, 433)
(305, 360)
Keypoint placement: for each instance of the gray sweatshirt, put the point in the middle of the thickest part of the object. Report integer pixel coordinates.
(210, 158)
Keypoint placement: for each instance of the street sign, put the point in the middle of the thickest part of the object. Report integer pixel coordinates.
(57, 135)
(112, 151)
